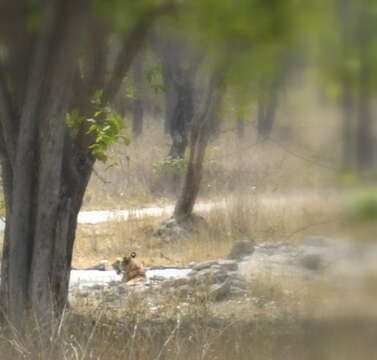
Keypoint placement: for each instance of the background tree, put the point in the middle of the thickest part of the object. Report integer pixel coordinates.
(179, 65)
(231, 65)
(349, 73)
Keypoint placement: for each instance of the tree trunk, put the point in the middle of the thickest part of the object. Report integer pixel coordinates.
(267, 111)
(34, 198)
(138, 103)
(181, 118)
(240, 127)
(347, 99)
(200, 134)
(364, 132)
(46, 166)
(347, 113)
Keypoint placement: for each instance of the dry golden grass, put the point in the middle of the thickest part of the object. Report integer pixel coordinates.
(273, 327)
(266, 217)
(302, 160)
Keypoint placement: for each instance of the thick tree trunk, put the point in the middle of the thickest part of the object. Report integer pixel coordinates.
(45, 166)
(34, 200)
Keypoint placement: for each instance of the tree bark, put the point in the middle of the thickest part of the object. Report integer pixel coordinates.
(347, 98)
(138, 103)
(181, 119)
(34, 196)
(240, 127)
(364, 133)
(46, 166)
(347, 113)
(267, 107)
(200, 134)
(21, 220)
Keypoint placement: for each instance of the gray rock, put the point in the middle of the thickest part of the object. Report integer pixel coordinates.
(241, 248)
(219, 276)
(157, 278)
(181, 282)
(229, 265)
(239, 284)
(216, 267)
(204, 265)
(312, 261)
(192, 273)
(205, 275)
(219, 292)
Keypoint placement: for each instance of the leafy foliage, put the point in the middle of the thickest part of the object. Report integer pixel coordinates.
(364, 206)
(170, 164)
(105, 126)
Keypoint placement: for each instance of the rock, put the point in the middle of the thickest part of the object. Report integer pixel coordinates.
(311, 261)
(241, 248)
(219, 276)
(239, 284)
(204, 265)
(228, 265)
(192, 273)
(205, 275)
(181, 282)
(170, 230)
(219, 292)
(157, 278)
(216, 267)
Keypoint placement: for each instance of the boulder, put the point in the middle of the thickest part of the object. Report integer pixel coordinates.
(204, 265)
(228, 265)
(219, 292)
(241, 248)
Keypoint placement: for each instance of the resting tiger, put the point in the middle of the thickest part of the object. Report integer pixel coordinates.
(131, 268)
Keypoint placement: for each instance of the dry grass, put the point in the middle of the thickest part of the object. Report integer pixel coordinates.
(268, 217)
(232, 164)
(271, 326)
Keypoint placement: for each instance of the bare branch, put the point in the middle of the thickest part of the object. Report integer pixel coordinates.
(131, 47)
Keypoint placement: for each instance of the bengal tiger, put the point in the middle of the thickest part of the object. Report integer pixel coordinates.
(131, 268)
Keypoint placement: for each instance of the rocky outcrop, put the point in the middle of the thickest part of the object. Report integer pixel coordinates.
(232, 278)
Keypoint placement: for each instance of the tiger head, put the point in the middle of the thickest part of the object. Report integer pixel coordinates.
(131, 268)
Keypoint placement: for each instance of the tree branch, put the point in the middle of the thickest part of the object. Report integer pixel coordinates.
(131, 47)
